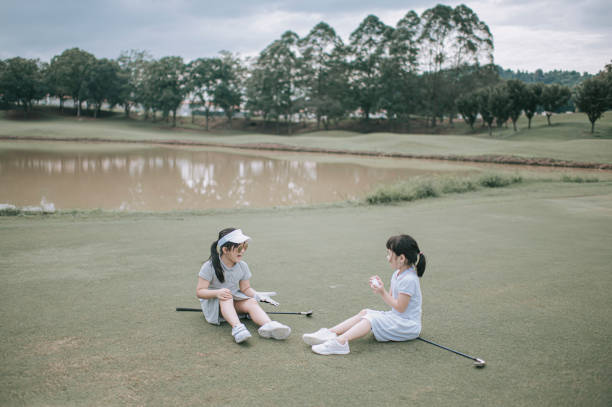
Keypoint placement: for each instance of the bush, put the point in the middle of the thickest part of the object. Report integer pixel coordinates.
(578, 179)
(419, 188)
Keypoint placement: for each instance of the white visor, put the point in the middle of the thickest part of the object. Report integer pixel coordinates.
(235, 236)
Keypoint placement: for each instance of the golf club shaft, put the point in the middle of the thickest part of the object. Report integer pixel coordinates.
(289, 313)
(449, 349)
(271, 312)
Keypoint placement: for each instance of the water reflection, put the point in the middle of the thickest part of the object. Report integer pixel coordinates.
(164, 178)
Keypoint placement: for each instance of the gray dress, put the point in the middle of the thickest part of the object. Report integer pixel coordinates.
(233, 275)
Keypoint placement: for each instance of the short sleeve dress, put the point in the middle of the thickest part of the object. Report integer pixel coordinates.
(395, 326)
(233, 275)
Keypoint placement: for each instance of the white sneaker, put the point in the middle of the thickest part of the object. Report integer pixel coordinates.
(274, 330)
(240, 333)
(322, 335)
(331, 347)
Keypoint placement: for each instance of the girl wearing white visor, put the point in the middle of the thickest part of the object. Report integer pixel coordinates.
(225, 292)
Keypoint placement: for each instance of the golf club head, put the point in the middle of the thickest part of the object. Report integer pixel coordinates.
(308, 313)
(479, 363)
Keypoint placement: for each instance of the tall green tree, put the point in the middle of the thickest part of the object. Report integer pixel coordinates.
(553, 98)
(450, 38)
(21, 82)
(323, 73)
(592, 98)
(400, 91)
(369, 45)
(273, 85)
(70, 72)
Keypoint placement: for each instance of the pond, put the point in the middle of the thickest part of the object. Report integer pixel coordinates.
(160, 178)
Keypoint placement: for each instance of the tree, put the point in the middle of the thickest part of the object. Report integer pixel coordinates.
(368, 49)
(554, 97)
(323, 73)
(165, 88)
(517, 97)
(533, 99)
(21, 82)
(204, 74)
(450, 38)
(500, 104)
(485, 107)
(104, 83)
(70, 72)
(592, 98)
(468, 105)
(273, 82)
(133, 68)
(228, 91)
(400, 92)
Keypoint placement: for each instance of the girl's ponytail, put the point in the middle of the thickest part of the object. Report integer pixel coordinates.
(420, 264)
(215, 255)
(216, 261)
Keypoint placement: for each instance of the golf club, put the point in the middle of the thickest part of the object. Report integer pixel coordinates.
(479, 363)
(307, 313)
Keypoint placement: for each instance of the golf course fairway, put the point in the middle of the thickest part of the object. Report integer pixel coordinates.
(517, 276)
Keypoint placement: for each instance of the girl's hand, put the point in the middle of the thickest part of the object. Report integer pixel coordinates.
(224, 294)
(376, 284)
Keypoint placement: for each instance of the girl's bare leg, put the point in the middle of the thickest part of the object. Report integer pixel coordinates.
(251, 307)
(228, 311)
(361, 328)
(344, 326)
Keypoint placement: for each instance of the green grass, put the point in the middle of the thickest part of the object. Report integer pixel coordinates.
(517, 276)
(567, 139)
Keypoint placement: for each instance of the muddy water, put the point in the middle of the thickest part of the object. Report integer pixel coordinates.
(163, 178)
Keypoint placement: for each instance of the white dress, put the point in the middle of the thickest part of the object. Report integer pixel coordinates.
(395, 326)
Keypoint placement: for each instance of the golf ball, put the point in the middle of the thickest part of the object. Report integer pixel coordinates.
(375, 283)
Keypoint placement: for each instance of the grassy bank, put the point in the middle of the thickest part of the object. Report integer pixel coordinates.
(517, 276)
(566, 140)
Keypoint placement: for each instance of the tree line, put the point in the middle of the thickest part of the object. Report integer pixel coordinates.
(435, 65)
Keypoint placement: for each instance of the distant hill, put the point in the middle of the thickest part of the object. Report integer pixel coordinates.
(567, 78)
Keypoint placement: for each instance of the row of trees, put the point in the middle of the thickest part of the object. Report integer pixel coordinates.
(428, 65)
(510, 99)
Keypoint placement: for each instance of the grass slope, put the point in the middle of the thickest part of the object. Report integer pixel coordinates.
(519, 277)
(567, 139)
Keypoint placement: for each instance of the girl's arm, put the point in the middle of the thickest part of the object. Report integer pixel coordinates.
(203, 292)
(400, 304)
(245, 287)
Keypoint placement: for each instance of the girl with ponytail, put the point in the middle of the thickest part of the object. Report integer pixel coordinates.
(401, 323)
(224, 289)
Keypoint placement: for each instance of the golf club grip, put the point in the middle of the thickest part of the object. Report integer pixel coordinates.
(189, 309)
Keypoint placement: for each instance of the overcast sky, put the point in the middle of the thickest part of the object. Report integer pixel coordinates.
(528, 34)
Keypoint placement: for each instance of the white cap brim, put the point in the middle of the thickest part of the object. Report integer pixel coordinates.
(235, 236)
